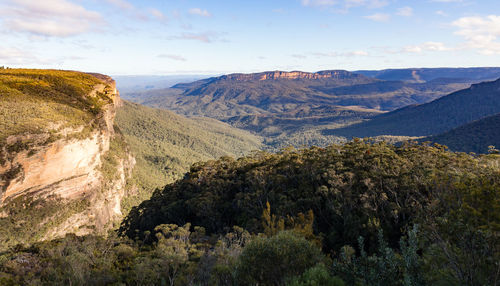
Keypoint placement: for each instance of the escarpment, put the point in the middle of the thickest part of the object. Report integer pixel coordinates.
(275, 75)
(63, 151)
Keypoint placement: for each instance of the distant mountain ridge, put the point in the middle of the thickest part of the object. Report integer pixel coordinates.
(280, 105)
(438, 116)
(275, 75)
(428, 74)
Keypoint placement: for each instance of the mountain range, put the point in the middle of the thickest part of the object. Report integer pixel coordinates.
(448, 112)
(301, 108)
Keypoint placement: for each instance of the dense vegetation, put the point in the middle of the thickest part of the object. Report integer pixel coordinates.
(352, 189)
(45, 100)
(438, 116)
(476, 136)
(359, 214)
(363, 213)
(165, 145)
(356, 190)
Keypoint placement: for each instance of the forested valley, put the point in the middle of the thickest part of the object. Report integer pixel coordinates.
(363, 213)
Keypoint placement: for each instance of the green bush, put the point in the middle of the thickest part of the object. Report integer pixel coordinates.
(275, 260)
(317, 276)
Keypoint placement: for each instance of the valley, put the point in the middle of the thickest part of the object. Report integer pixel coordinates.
(303, 109)
(250, 143)
(87, 174)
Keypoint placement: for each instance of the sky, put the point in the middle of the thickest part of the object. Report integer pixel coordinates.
(173, 37)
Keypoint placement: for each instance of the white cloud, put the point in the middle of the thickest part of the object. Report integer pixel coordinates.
(205, 37)
(358, 53)
(405, 12)
(319, 2)
(173, 57)
(379, 17)
(441, 13)
(122, 4)
(56, 18)
(427, 46)
(480, 33)
(15, 56)
(346, 4)
(199, 12)
(157, 14)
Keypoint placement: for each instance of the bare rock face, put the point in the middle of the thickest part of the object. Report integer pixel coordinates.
(275, 75)
(69, 169)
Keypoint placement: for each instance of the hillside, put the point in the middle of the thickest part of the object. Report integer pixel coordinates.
(293, 108)
(438, 116)
(281, 92)
(472, 137)
(166, 144)
(63, 167)
(430, 74)
(356, 197)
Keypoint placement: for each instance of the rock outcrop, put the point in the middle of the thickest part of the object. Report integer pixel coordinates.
(69, 168)
(275, 75)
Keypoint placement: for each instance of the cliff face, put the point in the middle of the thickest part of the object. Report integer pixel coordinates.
(275, 75)
(65, 165)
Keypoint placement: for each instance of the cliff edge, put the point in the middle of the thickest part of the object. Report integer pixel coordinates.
(63, 166)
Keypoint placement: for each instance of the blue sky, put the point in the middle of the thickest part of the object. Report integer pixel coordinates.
(126, 37)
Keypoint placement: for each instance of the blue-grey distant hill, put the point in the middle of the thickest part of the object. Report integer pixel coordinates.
(438, 116)
(429, 74)
(475, 137)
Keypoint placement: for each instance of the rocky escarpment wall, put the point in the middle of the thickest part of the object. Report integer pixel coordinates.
(69, 169)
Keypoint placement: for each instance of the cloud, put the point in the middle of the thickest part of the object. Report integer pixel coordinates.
(157, 14)
(405, 12)
(279, 11)
(358, 53)
(205, 37)
(346, 4)
(16, 56)
(52, 18)
(199, 12)
(427, 46)
(379, 17)
(173, 57)
(122, 4)
(480, 33)
(298, 56)
(319, 2)
(447, 1)
(441, 13)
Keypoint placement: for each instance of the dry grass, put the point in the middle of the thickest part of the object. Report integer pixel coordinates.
(32, 101)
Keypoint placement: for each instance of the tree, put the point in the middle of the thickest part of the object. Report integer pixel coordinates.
(277, 259)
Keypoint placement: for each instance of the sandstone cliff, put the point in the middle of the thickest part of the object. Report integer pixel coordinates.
(85, 165)
(274, 75)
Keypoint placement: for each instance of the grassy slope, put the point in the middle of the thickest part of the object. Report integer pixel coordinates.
(166, 144)
(33, 100)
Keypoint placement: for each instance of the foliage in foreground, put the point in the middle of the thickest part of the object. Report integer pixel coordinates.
(410, 215)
